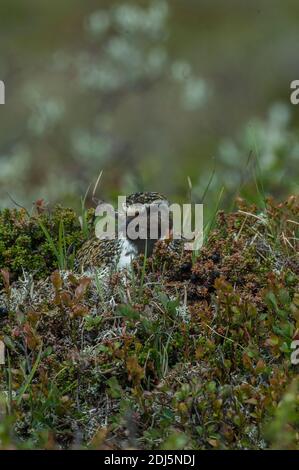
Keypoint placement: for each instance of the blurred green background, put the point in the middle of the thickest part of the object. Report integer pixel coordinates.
(150, 92)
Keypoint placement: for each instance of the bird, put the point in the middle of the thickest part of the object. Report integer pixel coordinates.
(120, 252)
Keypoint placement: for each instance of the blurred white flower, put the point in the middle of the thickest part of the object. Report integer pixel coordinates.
(180, 70)
(89, 147)
(194, 93)
(98, 22)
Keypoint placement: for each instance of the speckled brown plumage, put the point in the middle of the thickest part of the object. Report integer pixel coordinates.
(145, 198)
(97, 253)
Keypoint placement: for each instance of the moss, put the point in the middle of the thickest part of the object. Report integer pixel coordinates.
(23, 245)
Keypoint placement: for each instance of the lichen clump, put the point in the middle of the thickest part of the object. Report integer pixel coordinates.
(181, 351)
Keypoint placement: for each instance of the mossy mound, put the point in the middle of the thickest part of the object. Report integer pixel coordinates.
(23, 245)
(183, 351)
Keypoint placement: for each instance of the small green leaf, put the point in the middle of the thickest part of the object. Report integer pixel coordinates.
(115, 389)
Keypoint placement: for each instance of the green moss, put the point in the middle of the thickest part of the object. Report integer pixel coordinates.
(23, 245)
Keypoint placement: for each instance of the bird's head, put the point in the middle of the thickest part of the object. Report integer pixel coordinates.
(147, 213)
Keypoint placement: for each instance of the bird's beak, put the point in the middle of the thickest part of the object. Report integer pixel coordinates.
(131, 212)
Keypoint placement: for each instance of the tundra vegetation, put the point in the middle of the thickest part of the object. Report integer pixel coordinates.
(186, 351)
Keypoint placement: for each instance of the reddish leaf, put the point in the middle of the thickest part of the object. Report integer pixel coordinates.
(79, 311)
(6, 278)
(81, 289)
(56, 280)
